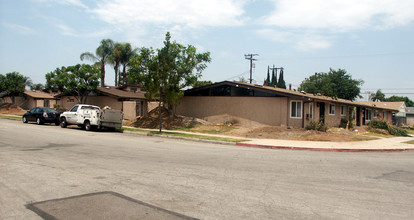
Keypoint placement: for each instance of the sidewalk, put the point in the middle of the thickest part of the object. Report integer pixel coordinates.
(382, 144)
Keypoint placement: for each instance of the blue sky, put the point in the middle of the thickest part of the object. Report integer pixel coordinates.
(372, 39)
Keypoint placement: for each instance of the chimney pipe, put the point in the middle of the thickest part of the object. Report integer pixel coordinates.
(290, 86)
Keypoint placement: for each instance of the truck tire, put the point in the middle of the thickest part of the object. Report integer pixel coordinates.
(87, 126)
(63, 123)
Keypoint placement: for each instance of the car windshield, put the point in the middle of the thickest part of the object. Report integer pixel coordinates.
(49, 110)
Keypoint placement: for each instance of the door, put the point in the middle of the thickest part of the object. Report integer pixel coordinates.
(32, 115)
(322, 112)
(358, 116)
(71, 117)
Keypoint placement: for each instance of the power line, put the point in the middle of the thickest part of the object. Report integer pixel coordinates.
(250, 57)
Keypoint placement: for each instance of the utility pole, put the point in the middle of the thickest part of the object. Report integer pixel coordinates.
(250, 57)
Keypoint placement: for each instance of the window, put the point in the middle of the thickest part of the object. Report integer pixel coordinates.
(311, 110)
(375, 113)
(343, 110)
(368, 115)
(383, 115)
(296, 109)
(331, 109)
(74, 109)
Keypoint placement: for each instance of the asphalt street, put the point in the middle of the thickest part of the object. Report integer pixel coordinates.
(200, 180)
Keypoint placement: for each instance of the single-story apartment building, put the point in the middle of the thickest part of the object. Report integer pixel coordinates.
(276, 106)
(30, 99)
(131, 103)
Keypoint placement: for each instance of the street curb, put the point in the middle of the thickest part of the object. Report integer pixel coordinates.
(323, 149)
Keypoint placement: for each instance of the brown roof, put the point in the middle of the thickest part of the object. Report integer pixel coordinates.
(299, 94)
(113, 91)
(388, 105)
(38, 94)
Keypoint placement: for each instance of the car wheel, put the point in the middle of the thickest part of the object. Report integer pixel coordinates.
(63, 123)
(39, 121)
(24, 119)
(88, 126)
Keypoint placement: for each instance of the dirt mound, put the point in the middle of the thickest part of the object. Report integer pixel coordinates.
(151, 120)
(11, 109)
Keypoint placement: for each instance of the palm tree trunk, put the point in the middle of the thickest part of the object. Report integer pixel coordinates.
(103, 74)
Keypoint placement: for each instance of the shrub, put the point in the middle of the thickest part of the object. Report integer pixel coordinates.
(397, 131)
(318, 126)
(378, 124)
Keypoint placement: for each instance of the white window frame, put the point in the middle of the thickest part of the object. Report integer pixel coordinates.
(384, 115)
(343, 110)
(297, 113)
(311, 110)
(329, 110)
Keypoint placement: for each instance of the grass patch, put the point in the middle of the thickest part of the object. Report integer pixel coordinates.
(135, 130)
(193, 136)
(202, 137)
(410, 131)
(409, 142)
(11, 117)
(363, 138)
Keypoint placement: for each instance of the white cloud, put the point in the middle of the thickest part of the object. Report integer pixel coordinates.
(187, 13)
(313, 42)
(340, 15)
(24, 30)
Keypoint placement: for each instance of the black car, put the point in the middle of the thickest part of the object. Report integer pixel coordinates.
(42, 115)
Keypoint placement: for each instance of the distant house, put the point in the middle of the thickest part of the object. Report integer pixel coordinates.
(410, 115)
(132, 103)
(400, 110)
(30, 99)
(276, 106)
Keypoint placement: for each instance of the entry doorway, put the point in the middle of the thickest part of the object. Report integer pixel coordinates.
(321, 112)
(358, 116)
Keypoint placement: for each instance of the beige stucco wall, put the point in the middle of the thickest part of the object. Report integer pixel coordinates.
(265, 110)
(129, 110)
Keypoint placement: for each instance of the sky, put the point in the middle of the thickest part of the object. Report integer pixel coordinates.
(372, 40)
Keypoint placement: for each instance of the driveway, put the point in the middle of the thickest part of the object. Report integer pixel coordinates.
(200, 180)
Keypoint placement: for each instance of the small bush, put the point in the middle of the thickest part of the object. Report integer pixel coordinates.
(378, 124)
(397, 131)
(318, 126)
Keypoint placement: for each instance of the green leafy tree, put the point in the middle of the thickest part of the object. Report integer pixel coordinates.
(101, 57)
(281, 83)
(78, 81)
(408, 101)
(335, 83)
(167, 71)
(378, 96)
(13, 84)
(202, 83)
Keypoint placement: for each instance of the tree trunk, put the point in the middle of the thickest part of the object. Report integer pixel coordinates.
(116, 75)
(159, 111)
(103, 74)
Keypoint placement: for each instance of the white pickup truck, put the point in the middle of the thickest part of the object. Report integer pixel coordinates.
(91, 117)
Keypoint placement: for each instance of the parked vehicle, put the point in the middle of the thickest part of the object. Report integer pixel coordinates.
(91, 117)
(42, 115)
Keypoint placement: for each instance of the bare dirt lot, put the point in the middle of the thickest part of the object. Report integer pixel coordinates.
(239, 127)
(11, 109)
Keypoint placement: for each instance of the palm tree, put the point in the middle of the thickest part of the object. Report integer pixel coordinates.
(101, 56)
(115, 60)
(126, 54)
